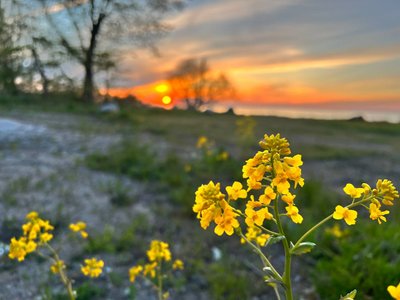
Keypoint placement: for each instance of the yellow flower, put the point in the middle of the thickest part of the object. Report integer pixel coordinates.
(387, 190)
(268, 196)
(376, 213)
(348, 215)
(57, 266)
(281, 183)
(236, 191)
(134, 272)
(36, 228)
(288, 198)
(275, 144)
(256, 217)
(159, 251)
(33, 215)
(45, 237)
(394, 291)
(202, 142)
(293, 213)
(366, 187)
(177, 265)
(20, 248)
(253, 184)
(150, 269)
(294, 161)
(79, 227)
(226, 223)
(93, 267)
(353, 192)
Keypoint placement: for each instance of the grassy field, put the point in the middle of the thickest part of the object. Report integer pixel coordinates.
(132, 175)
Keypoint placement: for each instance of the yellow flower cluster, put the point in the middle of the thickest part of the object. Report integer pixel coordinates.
(211, 205)
(35, 232)
(270, 174)
(159, 252)
(384, 193)
(79, 227)
(93, 267)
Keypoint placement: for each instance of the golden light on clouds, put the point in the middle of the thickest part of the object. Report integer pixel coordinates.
(162, 88)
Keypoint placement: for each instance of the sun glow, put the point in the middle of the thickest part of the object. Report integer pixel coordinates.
(162, 88)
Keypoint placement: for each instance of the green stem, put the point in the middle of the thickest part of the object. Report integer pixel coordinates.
(263, 258)
(64, 278)
(353, 204)
(288, 256)
(160, 283)
(312, 229)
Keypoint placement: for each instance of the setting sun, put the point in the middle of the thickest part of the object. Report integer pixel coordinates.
(166, 100)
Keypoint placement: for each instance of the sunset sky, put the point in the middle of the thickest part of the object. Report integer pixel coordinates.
(282, 52)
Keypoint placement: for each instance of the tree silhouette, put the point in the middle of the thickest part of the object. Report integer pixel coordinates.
(194, 82)
(10, 54)
(90, 31)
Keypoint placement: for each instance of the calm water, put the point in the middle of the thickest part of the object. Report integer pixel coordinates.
(311, 113)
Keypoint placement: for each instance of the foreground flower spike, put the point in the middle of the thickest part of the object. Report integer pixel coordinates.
(79, 227)
(159, 257)
(394, 291)
(348, 215)
(93, 267)
(268, 199)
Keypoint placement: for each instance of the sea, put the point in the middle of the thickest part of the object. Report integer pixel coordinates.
(299, 112)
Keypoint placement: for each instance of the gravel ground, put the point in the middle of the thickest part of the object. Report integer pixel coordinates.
(41, 169)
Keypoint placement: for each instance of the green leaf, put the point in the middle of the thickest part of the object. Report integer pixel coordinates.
(302, 248)
(349, 296)
(275, 239)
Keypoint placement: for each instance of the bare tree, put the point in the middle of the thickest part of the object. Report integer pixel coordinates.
(194, 82)
(89, 30)
(10, 52)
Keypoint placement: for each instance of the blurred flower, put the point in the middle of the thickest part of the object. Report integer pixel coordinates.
(134, 272)
(57, 266)
(177, 265)
(79, 227)
(92, 268)
(202, 142)
(159, 251)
